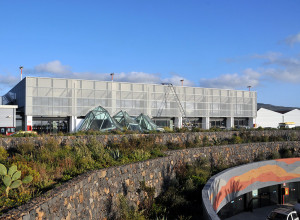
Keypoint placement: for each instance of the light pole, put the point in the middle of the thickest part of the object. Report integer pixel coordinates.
(181, 82)
(21, 67)
(249, 87)
(112, 76)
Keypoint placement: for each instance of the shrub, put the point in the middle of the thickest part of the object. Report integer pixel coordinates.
(259, 157)
(168, 130)
(3, 154)
(205, 141)
(11, 178)
(236, 139)
(126, 211)
(285, 153)
(274, 155)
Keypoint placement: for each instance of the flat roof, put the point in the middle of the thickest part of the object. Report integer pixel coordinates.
(160, 84)
(8, 106)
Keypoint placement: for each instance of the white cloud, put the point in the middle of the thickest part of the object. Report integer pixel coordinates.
(284, 69)
(54, 67)
(175, 80)
(290, 75)
(8, 81)
(138, 77)
(249, 77)
(293, 39)
(57, 69)
(271, 56)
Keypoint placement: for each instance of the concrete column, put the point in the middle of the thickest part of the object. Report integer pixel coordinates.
(229, 122)
(178, 122)
(113, 98)
(149, 89)
(250, 122)
(72, 124)
(205, 123)
(28, 122)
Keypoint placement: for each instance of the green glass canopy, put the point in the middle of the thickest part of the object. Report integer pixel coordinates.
(99, 120)
(125, 120)
(146, 123)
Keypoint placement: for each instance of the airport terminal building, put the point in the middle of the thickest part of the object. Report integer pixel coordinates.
(55, 104)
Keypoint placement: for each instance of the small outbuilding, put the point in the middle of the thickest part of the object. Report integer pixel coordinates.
(7, 119)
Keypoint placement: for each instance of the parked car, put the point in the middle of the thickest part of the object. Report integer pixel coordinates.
(283, 214)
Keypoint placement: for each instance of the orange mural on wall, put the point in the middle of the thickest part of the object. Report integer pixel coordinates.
(288, 160)
(265, 173)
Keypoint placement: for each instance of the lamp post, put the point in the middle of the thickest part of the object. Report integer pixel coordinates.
(112, 76)
(21, 67)
(249, 87)
(181, 82)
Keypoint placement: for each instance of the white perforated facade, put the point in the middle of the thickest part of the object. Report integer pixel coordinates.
(54, 97)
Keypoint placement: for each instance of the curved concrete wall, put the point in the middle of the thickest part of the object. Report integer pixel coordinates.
(231, 183)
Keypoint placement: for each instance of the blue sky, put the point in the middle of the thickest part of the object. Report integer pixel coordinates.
(223, 44)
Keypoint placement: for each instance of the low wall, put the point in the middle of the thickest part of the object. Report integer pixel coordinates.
(162, 138)
(231, 183)
(94, 195)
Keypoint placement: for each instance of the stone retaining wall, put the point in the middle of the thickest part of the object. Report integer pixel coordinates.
(94, 195)
(162, 138)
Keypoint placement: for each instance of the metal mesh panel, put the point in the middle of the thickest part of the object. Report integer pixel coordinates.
(65, 97)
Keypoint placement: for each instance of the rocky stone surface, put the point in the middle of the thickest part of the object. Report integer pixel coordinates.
(160, 138)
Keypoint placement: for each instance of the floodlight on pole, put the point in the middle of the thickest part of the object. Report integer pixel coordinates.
(21, 67)
(181, 82)
(112, 76)
(249, 87)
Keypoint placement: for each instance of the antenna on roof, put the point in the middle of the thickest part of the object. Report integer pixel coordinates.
(21, 67)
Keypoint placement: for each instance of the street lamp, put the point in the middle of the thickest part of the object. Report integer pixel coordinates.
(181, 82)
(249, 87)
(112, 76)
(21, 67)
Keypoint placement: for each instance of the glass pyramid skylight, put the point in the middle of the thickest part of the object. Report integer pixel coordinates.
(146, 123)
(99, 120)
(125, 120)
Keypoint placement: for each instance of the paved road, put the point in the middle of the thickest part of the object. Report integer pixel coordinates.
(257, 214)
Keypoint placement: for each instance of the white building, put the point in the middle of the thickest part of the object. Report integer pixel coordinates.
(293, 116)
(7, 118)
(47, 104)
(268, 118)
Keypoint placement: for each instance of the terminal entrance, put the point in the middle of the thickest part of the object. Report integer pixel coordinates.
(217, 122)
(48, 125)
(241, 122)
(283, 194)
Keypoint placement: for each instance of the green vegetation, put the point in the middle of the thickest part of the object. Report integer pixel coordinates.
(11, 178)
(49, 164)
(126, 131)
